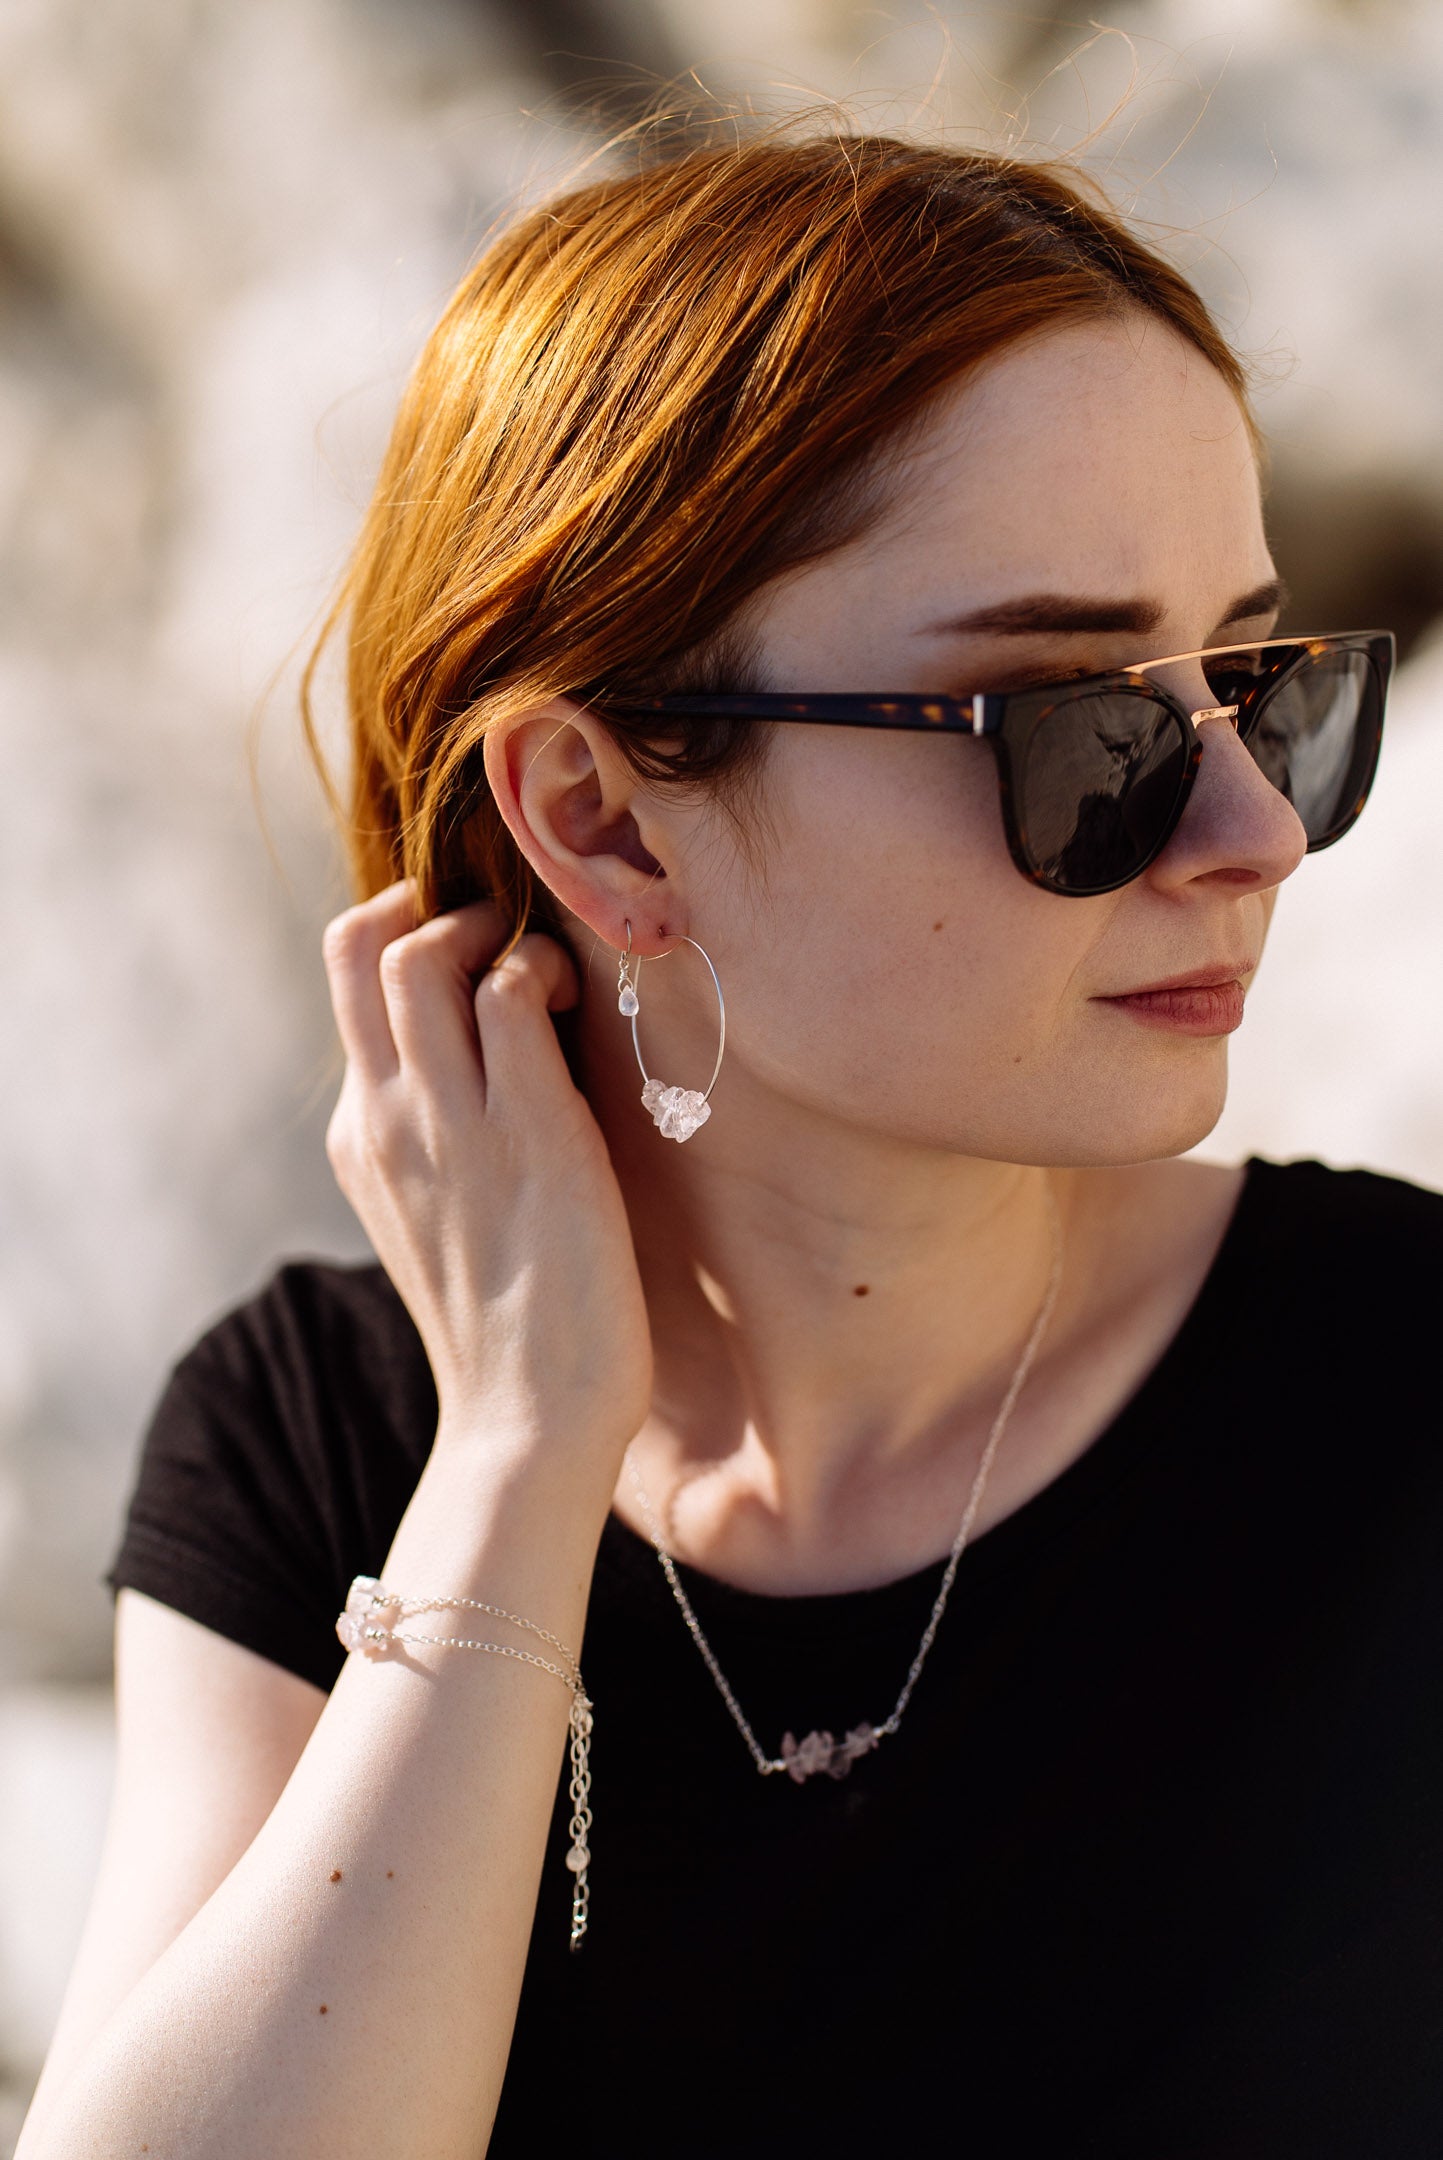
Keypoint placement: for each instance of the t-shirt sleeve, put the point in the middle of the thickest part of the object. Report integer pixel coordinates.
(244, 1512)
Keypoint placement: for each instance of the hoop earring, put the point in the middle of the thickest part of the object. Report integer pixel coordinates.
(677, 1111)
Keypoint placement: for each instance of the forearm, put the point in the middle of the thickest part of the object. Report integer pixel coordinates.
(353, 1982)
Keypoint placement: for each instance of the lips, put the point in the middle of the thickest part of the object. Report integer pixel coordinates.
(1205, 1001)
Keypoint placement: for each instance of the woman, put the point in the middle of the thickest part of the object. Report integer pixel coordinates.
(1037, 1514)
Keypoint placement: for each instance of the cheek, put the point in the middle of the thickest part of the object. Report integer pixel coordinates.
(903, 967)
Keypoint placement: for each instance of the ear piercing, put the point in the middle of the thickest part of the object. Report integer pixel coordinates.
(677, 1111)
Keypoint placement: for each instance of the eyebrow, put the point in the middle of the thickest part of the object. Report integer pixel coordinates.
(1041, 613)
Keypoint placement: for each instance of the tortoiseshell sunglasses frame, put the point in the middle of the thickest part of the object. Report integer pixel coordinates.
(1009, 719)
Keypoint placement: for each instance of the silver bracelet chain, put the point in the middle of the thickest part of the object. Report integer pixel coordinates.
(362, 1626)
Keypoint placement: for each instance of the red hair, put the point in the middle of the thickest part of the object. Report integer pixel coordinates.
(649, 397)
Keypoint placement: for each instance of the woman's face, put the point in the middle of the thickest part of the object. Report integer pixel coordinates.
(890, 966)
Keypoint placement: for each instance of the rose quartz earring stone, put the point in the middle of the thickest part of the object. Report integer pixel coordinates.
(677, 1111)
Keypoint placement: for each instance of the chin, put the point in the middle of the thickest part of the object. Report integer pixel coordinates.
(1145, 1125)
(1134, 1117)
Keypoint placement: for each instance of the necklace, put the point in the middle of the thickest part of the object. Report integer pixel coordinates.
(819, 1751)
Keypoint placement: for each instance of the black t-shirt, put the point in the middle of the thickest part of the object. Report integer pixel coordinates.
(1153, 1868)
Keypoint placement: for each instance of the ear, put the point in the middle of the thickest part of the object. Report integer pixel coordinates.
(592, 832)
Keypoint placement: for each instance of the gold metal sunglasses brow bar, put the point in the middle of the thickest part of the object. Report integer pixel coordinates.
(981, 713)
(1206, 652)
(979, 698)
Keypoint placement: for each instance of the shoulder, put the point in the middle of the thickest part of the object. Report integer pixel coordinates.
(318, 1381)
(310, 1302)
(1299, 1243)
(282, 1451)
(1311, 1288)
(1355, 1231)
(1328, 1308)
(316, 1333)
(1327, 1288)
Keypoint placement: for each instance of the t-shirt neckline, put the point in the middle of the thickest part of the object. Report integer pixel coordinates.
(1136, 1428)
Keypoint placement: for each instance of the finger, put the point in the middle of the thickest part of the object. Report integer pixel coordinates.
(428, 980)
(351, 947)
(519, 1049)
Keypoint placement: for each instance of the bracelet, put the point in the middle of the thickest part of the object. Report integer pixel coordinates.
(364, 1626)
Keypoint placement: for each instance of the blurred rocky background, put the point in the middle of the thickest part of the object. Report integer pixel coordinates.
(223, 233)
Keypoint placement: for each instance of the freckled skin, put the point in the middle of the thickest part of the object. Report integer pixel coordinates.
(1103, 460)
(1107, 460)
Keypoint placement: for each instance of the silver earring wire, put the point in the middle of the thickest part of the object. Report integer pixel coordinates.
(677, 1111)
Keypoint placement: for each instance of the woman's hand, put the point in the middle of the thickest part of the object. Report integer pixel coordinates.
(484, 1183)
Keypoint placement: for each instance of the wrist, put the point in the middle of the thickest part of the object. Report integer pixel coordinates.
(522, 1476)
(511, 1540)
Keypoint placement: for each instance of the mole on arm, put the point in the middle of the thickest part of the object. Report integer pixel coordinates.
(335, 1874)
(862, 1290)
(324, 2008)
(389, 1873)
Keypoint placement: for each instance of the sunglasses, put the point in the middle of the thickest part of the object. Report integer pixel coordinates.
(1096, 772)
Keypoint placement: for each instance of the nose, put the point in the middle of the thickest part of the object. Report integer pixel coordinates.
(1237, 829)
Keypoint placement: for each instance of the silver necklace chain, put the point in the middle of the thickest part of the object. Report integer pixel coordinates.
(819, 1751)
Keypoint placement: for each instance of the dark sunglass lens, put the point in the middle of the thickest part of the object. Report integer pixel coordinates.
(1099, 783)
(1316, 738)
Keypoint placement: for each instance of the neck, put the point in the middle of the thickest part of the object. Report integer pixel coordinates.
(827, 1303)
